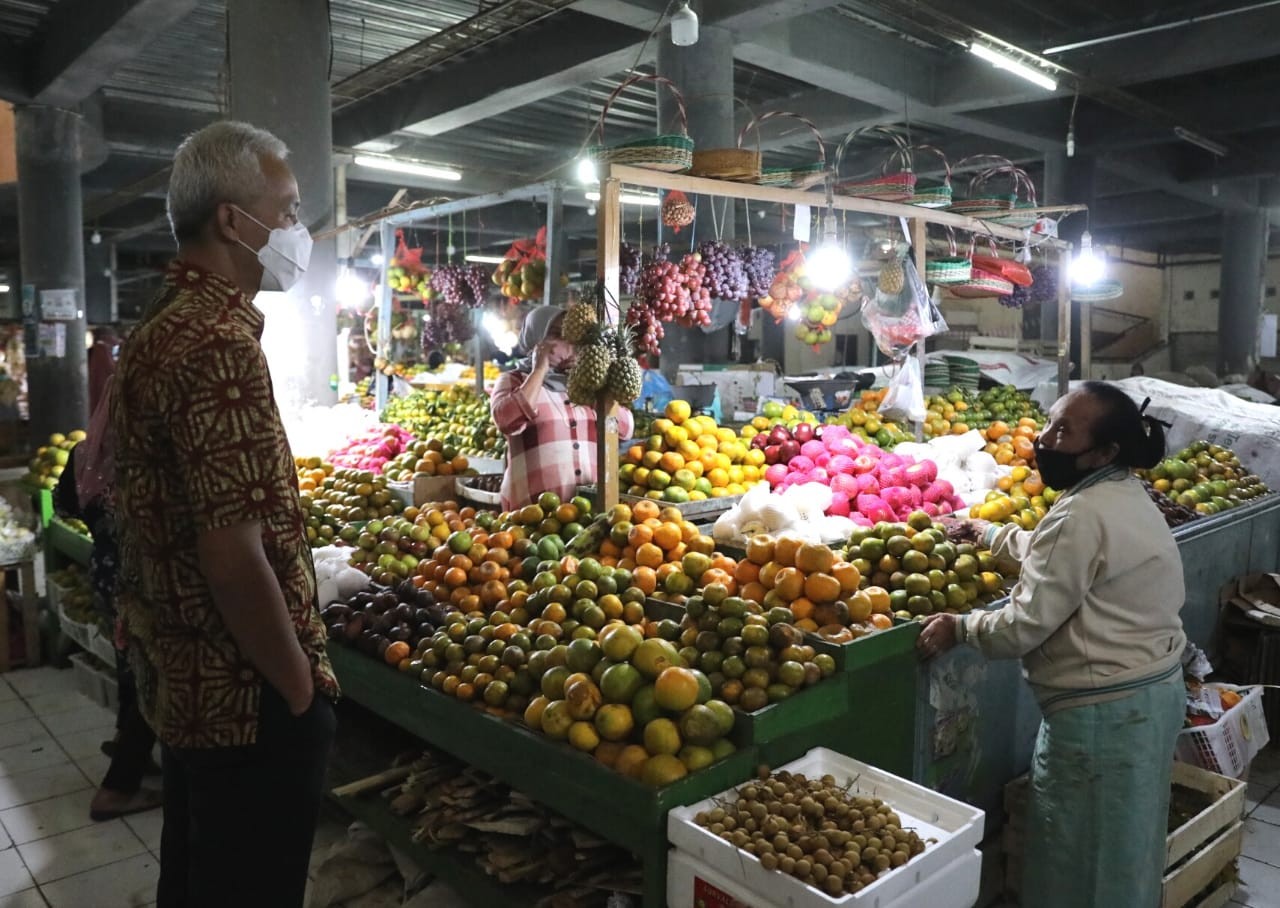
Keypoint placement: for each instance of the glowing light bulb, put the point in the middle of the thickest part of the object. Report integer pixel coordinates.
(1087, 267)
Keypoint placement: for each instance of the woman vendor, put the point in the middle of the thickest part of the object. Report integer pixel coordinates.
(551, 443)
(1094, 619)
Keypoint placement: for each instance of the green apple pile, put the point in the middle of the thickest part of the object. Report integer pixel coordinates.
(1206, 478)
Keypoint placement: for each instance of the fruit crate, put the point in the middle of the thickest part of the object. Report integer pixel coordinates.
(1230, 743)
(1196, 852)
(692, 884)
(95, 682)
(75, 631)
(617, 808)
(66, 541)
(956, 826)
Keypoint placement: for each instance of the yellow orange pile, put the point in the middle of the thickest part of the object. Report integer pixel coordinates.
(690, 458)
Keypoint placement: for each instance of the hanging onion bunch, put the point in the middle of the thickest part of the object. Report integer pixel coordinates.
(726, 278)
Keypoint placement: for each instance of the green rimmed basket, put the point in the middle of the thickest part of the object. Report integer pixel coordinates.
(1025, 210)
(979, 198)
(804, 176)
(982, 284)
(886, 187)
(669, 153)
(931, 193)
(1101, 292)
(951, 268)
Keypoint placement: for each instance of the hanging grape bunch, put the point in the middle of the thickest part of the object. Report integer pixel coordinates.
(757, 263)
(694, 276)
(446, 323)
(630, 261)
(461, 285)
(661, 253)
(725, 276)
(668, 292)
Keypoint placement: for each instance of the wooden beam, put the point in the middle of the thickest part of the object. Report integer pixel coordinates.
(609, 244)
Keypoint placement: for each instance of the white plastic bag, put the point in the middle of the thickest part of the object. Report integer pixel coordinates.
(905, 397)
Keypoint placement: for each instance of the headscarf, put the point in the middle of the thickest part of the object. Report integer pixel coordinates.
(533, 331)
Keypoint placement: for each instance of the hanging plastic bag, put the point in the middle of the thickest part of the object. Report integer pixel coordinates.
(898, 317)
(904, 398)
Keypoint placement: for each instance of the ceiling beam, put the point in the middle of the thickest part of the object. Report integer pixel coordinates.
(1151, 207)
(83, 42)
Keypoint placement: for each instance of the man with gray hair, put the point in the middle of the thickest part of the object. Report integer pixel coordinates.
(217, 591)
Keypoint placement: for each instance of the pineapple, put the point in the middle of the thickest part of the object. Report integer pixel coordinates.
(589, 373)
(892, 277)
(624, 379)
(579, 322)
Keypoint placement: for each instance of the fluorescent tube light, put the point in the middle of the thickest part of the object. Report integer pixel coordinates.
(629, 198)
(1012, 64)
(1200, 141)
(485, 259)
(377, 146)
(395, 165)
(4, 288)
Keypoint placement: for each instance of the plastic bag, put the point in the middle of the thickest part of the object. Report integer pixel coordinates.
(899, 320)
(655, 385)
(905, 397)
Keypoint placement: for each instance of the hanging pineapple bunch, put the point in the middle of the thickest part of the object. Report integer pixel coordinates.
(893, 275)
(579, 322)
(590, 369)
(625, 379)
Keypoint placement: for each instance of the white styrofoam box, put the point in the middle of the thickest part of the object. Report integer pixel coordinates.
(955, 826)
(691, 883)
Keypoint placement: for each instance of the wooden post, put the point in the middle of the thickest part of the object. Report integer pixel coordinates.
(382, 383)
(1086, 340)
(919, 245)
(1064, 320)
(609, 240)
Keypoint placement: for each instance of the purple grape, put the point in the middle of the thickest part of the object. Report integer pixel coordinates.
(630, 260)
(725, 275)
(461, 285)
(758, 263)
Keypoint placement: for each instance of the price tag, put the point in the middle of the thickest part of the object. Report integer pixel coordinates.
(802, 227)
(59, 305)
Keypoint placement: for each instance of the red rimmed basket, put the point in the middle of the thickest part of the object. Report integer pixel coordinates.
(981, 284)
(669, 153)
(887, 187)
(980, 198)
(930, 193)
(804, 176)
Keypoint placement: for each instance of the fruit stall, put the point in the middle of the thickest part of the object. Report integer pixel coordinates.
(454, 293)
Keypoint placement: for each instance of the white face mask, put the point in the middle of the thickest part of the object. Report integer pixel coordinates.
(285, 256)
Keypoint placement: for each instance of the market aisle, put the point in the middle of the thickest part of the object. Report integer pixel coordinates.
(1260, 865)
(51, 854)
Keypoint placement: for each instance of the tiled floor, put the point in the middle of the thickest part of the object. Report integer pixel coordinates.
(1260, 865)
(51, 854)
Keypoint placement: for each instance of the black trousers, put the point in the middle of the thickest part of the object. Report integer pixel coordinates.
(239, 821)
(134, 737)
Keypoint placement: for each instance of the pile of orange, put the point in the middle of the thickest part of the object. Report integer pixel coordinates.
(651, 542)
(689, 458)
(469, 567)
(1021, 498)
(312, 472)
(1012, 445)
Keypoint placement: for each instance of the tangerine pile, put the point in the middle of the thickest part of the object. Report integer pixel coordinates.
(1021, 498)
(689, 458)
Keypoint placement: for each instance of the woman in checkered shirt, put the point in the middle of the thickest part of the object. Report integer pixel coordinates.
(551, 443)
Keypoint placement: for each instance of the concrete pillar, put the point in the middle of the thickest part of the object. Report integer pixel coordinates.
(1244, 263)
(704, 75)
(278, 79)
(52, 258)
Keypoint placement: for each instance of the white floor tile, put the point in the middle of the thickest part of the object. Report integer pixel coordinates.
(37, 753)
(13, 711)
(13, 876)
(1254, 794)
(1259, 884)
(6, 692)
(74, 852)
(79, 744)
(49, 817)
(27, 898)
(39, 784)
(1269, 811)
(147, 826)
(28, 682)
(1265, 767)
(22, 731)
(1262, 843)
(82, 719)
(94, 766)
(46, 703)
(129, 883)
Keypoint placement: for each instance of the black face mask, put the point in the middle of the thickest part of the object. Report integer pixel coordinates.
(1059, 469)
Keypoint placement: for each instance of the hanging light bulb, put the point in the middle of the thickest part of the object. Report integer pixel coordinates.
(829, 266)
(96, 238)
(591, 211)
(684, 26)
(1087, 267)
(587, 171)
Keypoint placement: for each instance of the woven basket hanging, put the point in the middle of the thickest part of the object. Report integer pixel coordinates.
(737, 164)
(930, 193)
(801, 176)
(982, 283)
(1025, 211)
(981, 197)
(669, 153)
(889, 186)
(948, 269)
(1100, 292)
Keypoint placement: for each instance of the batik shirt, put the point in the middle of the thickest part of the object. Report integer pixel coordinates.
(200, 447)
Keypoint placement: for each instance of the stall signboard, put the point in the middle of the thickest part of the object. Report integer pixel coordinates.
(61, 305)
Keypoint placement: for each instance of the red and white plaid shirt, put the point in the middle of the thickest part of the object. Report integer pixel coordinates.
(551, 447)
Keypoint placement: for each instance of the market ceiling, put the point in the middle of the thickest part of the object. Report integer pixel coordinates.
(434, 80)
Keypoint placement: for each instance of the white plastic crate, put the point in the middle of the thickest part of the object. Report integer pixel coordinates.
(93, 682)
(692, 884)
(101, 647)
(71, 629)
(1229, 744)
(956, 827)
